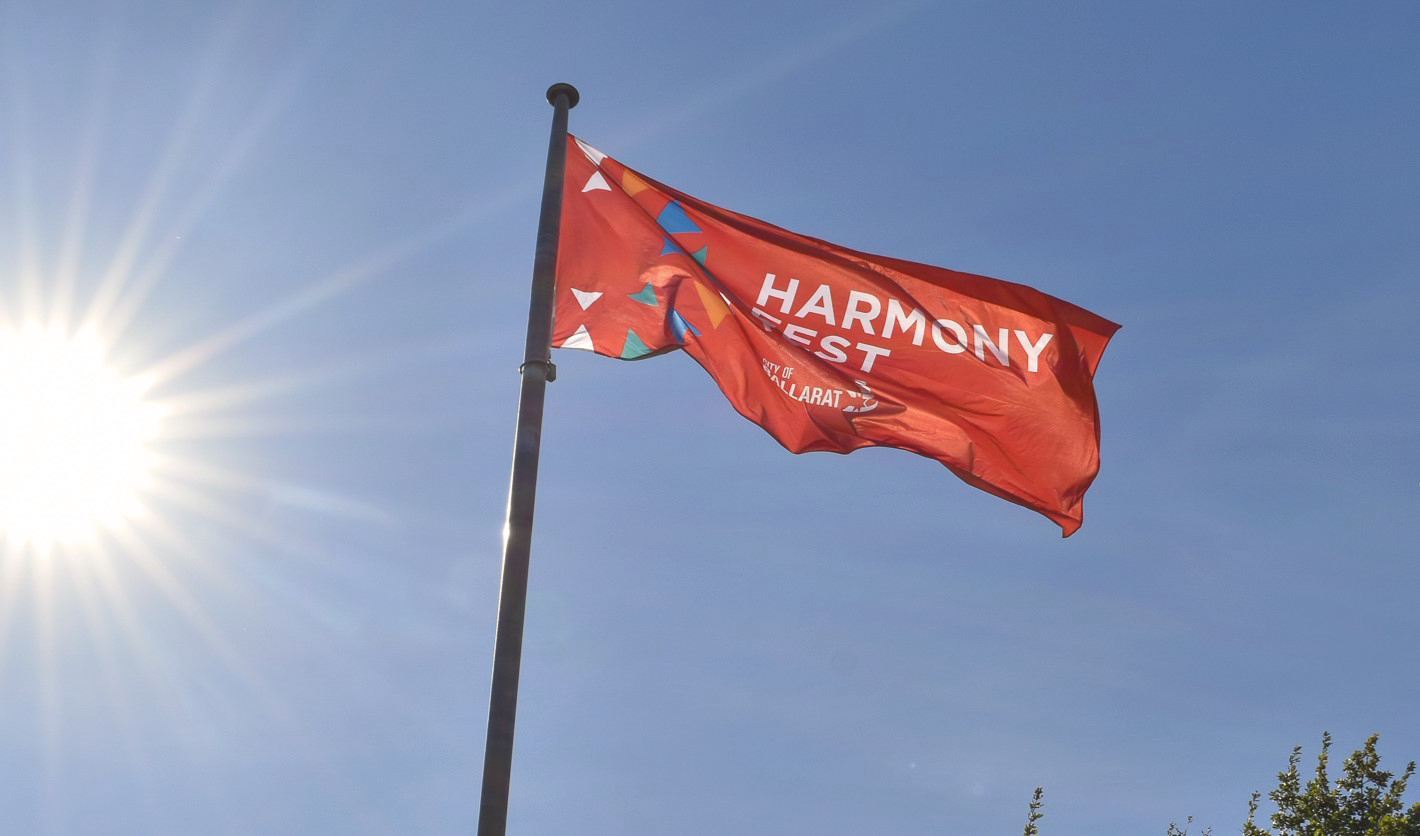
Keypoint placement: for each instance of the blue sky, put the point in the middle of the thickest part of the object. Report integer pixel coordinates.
(315, 223)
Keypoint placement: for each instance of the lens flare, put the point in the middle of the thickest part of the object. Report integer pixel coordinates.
(73, 438)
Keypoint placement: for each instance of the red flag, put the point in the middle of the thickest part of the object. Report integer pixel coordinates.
(831, 349)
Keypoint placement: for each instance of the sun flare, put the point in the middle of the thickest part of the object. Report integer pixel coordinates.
(73, 438)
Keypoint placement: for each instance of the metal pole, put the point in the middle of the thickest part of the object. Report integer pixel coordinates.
(537, 370)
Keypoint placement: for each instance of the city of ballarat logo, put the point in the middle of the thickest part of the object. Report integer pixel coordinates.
(843, 400)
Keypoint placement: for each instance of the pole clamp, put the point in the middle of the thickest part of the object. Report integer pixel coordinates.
(549, 371)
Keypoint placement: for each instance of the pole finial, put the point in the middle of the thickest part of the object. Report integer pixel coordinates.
(562, 89)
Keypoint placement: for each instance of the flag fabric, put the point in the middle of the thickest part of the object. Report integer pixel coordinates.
(831, 349)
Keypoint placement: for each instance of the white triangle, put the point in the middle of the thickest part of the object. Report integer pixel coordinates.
(585, 298)
(596, 181)
(592, 154)
(580, 339)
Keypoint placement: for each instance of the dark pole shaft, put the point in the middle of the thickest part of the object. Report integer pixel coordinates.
(536, 371)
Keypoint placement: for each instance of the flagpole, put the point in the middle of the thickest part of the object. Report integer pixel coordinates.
(536, 371)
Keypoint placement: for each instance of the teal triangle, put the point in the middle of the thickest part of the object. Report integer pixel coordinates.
(634, 347)
(700, 257)
(670, 248)
(674, 220)
(646, 296)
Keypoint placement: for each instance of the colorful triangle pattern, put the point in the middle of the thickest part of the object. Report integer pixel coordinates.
(714, 304)
(595, 182)
(592, 154)
(679, 327)
(585, 298)
(674, 220)
(634, 347)
(631, 184)
(579, 339)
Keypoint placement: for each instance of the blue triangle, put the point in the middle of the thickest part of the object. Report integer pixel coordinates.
(634, 347)
(670, 248)
(700, 256)
(674, 220)
(646, 296)
(679, 326)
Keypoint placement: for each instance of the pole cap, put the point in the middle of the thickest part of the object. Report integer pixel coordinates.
(561, 89)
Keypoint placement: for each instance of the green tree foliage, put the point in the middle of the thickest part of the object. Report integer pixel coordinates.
(1364, 801)
(1174, 829)
(1035, 814)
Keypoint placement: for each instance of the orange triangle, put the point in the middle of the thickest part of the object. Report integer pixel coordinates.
(714, 305)
(632, 184)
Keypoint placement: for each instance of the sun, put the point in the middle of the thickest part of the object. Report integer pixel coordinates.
(73, 438)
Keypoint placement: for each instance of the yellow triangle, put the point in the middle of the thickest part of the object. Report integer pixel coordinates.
(632, 184)
(714, 305)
